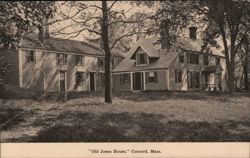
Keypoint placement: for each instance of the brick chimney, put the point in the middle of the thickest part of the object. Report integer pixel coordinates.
(164, 33)
(192, 32)
(43, 31)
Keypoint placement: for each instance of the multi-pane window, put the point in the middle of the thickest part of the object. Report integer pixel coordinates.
(61, 59)
(181, 58)
(80, 78)
(205, 59)
(192, 58)
(100, 62)
(79, 59)
(141, 58)
(124, 79)
(30, 56)
(152, 77)
(178, 76)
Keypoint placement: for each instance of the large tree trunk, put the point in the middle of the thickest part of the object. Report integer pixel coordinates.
(229, 60)
(245, 71)
(105, 38)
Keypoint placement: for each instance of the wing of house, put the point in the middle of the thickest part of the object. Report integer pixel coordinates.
(58, 65)
(151, 65)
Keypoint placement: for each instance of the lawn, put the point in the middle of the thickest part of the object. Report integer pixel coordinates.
(133, 117)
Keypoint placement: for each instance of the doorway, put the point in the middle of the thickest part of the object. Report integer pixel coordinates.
(92, 81)
(138, 81)
(62, 81)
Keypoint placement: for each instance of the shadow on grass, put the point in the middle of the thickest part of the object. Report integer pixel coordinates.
(10, 117)
(138, 127)
(164, 95)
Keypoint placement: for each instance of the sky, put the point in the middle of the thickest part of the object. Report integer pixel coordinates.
(121, 5)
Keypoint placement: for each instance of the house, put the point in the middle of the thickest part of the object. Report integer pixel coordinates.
(57, 65)
(154, 64)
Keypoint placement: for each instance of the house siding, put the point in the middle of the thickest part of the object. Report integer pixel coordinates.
(43, 74)
(185, 67)
(117, 86)
(161, 82)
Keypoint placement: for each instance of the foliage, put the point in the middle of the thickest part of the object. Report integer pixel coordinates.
(16, 17)
(225, 20)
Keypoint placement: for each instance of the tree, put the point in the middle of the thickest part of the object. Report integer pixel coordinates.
(17, 17)
(226, 18)
(112, 24)
(243, 54)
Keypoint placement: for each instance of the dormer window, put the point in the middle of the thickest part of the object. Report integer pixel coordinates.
(141, 59)
(181, 58)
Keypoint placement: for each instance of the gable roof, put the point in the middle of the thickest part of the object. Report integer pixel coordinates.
(148, 45)
(66, 45)
(151, 46)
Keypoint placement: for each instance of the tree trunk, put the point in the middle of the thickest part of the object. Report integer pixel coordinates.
(231, 77)
(245, 71)
(105, 38)
(229, 60)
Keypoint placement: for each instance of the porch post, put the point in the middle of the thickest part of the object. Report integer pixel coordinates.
(131, 81)
(144, 81)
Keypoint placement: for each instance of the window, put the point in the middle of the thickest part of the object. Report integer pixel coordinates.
(61, 59)
(30, 56)
(101, 62)
(80, 78)
(124, 79)
(113, 62)
(205, 59)
(152, 77)
(178, 76)
(192, 58)
(79, 59)
(141, 58)
(181, 58)
(102, 78)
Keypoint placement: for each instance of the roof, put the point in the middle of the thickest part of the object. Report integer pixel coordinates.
(195, 45)
(66, 45)
(151, 46)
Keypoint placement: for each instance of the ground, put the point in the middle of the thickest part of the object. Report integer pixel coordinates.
(133, 117)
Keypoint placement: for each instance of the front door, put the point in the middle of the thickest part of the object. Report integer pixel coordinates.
(137, 81)
(62, 81)
(193, 80)
(92, 81)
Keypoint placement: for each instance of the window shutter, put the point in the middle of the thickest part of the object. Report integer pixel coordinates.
(146, 76)
(82, 59)
(121, 79)
(145, 59)
(34, 56)
(137, 59)
(156, 77)
(65, 58)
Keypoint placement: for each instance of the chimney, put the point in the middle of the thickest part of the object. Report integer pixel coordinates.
(192, 32)
(43, 33)
(164, 33)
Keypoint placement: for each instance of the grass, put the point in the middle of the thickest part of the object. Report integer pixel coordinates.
(133, 117)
